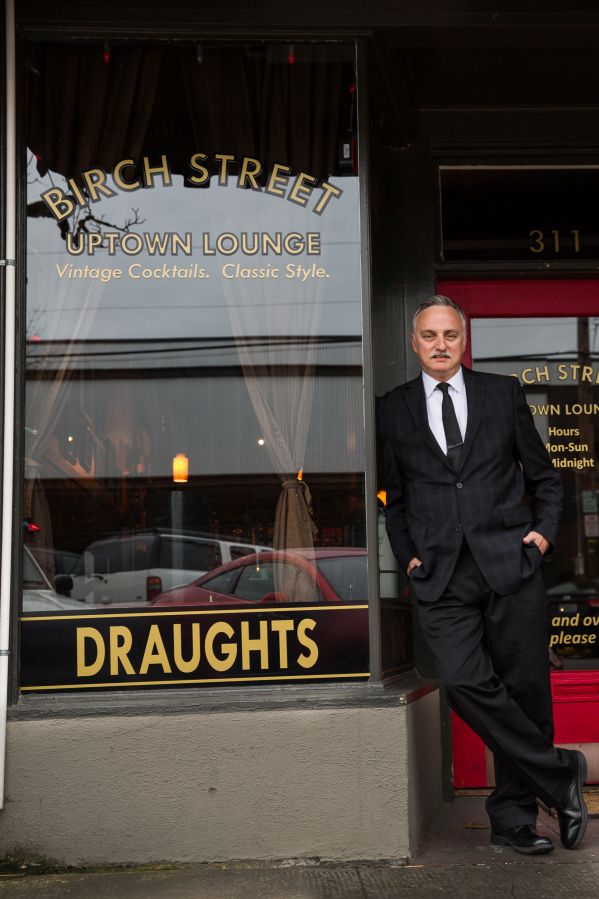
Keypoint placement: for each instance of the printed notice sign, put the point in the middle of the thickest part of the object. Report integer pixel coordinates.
(591, 525)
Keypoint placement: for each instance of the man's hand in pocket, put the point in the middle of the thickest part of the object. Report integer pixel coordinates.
(531, 537)
(416, 562)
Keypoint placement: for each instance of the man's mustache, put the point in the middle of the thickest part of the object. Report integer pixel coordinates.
(440, 354)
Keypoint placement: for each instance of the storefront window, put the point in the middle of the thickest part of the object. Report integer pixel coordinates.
(557, 363)
(194, 429)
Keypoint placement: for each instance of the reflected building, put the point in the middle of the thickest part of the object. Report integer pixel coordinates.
(126, 409)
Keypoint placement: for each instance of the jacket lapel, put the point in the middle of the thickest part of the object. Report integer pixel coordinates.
(475, 397)
(416, 400)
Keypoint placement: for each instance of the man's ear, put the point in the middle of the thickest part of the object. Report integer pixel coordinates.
(413, 342)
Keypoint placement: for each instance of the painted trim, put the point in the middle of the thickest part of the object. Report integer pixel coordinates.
(207, 680)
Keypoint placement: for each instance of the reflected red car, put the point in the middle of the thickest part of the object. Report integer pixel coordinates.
(280, 576)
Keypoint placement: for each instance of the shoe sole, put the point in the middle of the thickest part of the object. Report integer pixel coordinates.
(534, 850)
(582, 776)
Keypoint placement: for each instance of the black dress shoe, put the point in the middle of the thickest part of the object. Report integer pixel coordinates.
(572, 813)
(523, 838)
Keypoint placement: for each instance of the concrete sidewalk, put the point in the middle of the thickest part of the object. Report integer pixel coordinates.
(460, 836)
(507, 881)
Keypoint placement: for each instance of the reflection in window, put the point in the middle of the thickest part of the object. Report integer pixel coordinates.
(284, 581)
(115, 556)
(171, 315)
(557, 363)
(256, 581)
(238, 552)
(223, 582)
(33, 577)
(189, 554)
(347, 576)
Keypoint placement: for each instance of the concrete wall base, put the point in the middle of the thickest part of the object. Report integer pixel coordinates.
(336, 784)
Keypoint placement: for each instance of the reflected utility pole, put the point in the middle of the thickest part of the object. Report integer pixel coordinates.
(177, 526)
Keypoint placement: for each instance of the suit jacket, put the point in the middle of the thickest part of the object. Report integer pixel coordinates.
(431, 508)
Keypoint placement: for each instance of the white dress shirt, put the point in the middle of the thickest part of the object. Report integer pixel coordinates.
(434, 403)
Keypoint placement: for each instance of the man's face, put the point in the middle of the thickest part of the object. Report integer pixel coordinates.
(439, 341)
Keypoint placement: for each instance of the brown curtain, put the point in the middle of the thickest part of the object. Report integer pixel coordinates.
(266, 108)
(222, 104)
(83, 113)
(299, 111)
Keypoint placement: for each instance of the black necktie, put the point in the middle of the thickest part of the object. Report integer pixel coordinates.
(451, 427)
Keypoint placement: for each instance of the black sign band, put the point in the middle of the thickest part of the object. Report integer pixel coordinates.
(182, 647)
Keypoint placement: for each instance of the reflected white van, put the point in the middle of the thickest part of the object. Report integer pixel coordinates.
(135, 568)
(38, 593)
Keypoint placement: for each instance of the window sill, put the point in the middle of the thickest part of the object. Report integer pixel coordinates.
(222, 700)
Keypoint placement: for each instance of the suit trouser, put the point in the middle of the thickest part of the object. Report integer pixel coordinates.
(492, 656)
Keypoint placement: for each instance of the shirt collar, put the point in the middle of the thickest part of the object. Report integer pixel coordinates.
(457, 382)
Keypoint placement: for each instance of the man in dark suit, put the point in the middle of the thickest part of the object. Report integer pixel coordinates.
(461, 454)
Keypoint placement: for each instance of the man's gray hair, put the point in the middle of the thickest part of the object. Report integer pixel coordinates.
(438, 301)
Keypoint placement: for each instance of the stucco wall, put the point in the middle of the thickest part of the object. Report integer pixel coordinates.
(423, 733)
(331, 783)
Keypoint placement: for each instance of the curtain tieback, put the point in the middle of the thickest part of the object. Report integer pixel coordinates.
(305, 491)
(294, 525)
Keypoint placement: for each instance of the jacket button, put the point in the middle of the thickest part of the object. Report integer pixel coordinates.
(459, 486)
(458, 527)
